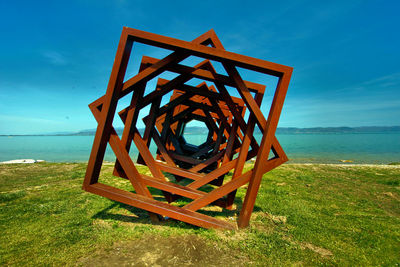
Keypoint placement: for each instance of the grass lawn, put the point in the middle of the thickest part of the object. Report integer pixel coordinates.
(304, 215)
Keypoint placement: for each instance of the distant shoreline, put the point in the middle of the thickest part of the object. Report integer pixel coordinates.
(108, 163)
(280, 130)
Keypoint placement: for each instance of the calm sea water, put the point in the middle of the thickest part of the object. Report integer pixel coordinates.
(318, 148)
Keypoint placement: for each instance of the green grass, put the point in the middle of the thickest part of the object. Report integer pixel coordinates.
(304, 215)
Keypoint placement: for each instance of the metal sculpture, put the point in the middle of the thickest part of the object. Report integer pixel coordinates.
(229, 144)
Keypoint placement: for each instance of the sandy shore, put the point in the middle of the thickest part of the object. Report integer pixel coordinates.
(350, 165)
(22, 161)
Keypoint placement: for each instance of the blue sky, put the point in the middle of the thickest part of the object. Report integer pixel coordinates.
(56, 56)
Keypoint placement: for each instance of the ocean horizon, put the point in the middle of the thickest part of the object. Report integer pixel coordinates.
(357, 148)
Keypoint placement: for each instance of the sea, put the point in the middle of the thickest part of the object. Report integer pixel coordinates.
(358, 148)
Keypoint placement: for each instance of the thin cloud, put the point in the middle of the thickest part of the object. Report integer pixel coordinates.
(390, 81)
(386, 80)
(55, 58)
(24, 119)
(325, 105)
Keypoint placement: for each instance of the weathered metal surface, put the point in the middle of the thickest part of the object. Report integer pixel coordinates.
(230, 122)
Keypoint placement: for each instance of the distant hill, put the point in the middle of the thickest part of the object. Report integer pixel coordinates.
(93, 131)
(188, 130)
(286, 130)
(365, 129)
(281, 130)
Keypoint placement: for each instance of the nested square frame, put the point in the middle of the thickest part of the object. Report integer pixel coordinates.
(104, 110)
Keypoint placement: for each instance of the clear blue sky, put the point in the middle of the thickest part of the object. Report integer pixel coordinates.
(56, 56)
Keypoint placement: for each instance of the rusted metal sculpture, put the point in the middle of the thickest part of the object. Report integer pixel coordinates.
(229, 144)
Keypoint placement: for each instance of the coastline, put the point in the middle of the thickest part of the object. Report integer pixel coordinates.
(394, 166)
(108, 163)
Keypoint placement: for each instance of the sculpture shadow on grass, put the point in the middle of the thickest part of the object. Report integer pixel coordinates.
(128, 214)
